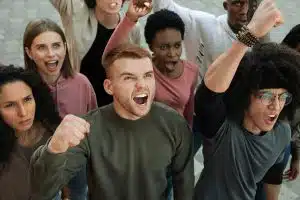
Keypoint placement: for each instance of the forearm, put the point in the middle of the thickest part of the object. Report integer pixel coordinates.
(119, 35)
(272, 191)
(46, 173)
(220, 74)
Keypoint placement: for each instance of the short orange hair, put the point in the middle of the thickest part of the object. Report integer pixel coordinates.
(126, 50)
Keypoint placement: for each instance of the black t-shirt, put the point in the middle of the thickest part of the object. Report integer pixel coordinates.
(91, 65)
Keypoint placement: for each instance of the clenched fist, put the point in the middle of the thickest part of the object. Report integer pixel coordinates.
(265, 18)
(69, 133)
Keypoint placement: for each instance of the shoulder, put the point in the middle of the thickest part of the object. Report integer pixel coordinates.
(81, 79)
(282, 130)
(165, 113)
(191, 66)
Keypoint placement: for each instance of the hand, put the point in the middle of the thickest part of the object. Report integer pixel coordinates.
(69, 133)
(265, 17)
(293, 172)
(138, 8)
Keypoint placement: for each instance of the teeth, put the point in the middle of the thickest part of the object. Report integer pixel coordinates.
(113, 4)
(271, 115)
(51, 62)
(141, 95)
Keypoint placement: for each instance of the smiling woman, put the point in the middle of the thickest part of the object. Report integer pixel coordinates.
(45, 52)
(28, 117)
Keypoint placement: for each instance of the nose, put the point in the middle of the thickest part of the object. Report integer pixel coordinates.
(22, 111)
(172, 52)
(276, 105)
(245, 8)
(50, 52)
(140, 84)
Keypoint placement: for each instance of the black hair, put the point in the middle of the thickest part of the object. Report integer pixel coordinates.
(268, 65)
(161, 20)
(292, 39)
(45, 112)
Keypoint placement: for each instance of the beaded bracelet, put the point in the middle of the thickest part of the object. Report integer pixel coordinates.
(246, 37)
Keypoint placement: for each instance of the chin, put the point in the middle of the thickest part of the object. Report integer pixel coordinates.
(267, 128)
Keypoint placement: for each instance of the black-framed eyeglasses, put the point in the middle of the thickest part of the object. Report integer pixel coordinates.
(268, 98)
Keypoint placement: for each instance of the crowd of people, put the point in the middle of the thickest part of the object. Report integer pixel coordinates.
(94, 114)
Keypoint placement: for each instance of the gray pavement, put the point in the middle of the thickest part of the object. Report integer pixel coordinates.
(15, 14)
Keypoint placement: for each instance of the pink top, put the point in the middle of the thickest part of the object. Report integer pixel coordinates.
(74, 95)
(177, 93)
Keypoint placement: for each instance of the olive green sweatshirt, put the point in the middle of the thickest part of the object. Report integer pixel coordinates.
(126, 159)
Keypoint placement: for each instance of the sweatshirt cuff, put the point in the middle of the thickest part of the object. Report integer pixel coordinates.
(52, 160)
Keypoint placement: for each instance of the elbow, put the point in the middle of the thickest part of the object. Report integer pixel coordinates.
(215, 85)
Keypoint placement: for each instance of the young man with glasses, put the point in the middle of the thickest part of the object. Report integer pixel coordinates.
(239, 108)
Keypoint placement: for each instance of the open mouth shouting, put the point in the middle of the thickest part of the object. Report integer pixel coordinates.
(170, 66)
(271, 119)
(141, 99)
(52, 65)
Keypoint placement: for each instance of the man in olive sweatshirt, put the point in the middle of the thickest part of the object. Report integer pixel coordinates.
(129, 146)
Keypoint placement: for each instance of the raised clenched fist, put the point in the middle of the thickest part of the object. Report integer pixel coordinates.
(69, 133)
(265, 18)
(138, 8)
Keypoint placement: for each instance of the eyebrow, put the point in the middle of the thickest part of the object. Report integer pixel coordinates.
(7, 102)
(43, 44)
(131, 74)
(126, 74)
(272, 92)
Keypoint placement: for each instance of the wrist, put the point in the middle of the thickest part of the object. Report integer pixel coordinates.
(251, 28)
(131, 17)
(246, 36)
(53, 148)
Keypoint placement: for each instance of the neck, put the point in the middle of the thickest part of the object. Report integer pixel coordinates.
(109, 21)
(251, 127)
(235, 28)
(32, 136)
(50, 80)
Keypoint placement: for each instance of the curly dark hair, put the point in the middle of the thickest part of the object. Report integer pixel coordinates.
(292, 39)
(46, 111)
(268, 65)
(92, 3)
(161, 20)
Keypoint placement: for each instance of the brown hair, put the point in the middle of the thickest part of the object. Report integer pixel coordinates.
(35, 28)
(126, 50)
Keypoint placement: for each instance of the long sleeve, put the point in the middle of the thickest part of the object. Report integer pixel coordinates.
(210, 111)
(50, 172)
(120, 35)
(189, 109)
(183, 164)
